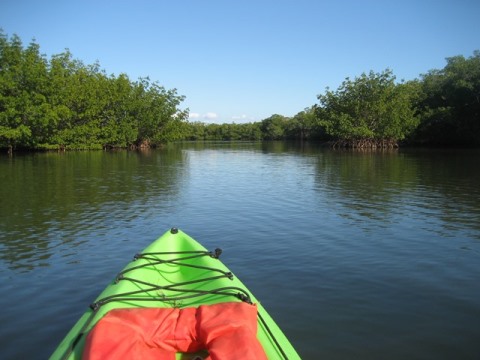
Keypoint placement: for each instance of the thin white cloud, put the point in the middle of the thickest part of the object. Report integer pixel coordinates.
(210, 116)
(206, 116)
(242, 118)
(239, 117)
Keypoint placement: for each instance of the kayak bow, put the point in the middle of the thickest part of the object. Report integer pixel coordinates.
(176, 277)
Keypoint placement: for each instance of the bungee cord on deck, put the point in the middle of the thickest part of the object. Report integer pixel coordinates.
(153, 259)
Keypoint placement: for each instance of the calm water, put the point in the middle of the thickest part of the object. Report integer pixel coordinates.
(356, 255)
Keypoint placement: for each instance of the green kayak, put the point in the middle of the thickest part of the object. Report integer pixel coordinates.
(176, 300)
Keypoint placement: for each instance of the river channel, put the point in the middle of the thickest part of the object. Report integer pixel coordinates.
(364, 255)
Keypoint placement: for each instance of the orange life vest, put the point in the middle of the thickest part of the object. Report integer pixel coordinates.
(225, 330)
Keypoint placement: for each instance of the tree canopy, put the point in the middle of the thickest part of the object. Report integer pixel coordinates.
(450, 108)
(370, 110)
(61, 103)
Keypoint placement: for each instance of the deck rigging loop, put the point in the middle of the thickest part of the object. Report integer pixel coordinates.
(149, 292)
(176, 291)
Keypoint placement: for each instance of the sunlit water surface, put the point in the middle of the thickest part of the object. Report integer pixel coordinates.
(365, 255)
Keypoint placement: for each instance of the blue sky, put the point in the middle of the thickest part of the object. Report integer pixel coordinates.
(241, 61)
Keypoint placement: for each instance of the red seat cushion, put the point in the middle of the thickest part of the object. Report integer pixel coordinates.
(226, 330)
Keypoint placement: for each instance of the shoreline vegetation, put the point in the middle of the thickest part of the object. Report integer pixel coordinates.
(62, 104)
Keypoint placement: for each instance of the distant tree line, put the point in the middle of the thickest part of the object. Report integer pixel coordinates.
(61, 103)
(442, 108)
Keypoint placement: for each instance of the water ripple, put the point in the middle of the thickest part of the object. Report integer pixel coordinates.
(372, 245)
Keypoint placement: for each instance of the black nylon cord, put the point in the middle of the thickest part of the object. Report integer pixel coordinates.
(233, 291)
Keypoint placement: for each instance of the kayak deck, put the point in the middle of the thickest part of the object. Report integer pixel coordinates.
(175, 271)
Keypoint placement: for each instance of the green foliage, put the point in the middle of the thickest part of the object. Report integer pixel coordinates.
(223, 132)
(305, 126)
(450, 108)
(273, 128)
(370, 107)
(62, 103)
(375, 110)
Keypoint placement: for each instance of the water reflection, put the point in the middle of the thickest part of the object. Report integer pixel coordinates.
(53, 199)
(52, 203)
(378, 188)
(368, 240)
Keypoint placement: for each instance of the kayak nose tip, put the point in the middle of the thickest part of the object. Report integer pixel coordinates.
(173, 230)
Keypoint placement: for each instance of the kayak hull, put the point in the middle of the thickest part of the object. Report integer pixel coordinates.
(175, 271)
